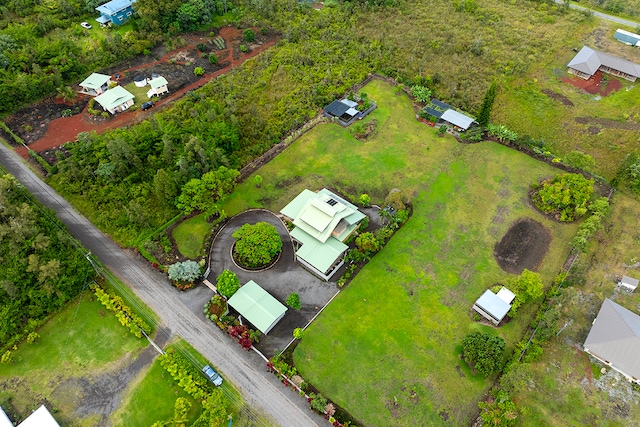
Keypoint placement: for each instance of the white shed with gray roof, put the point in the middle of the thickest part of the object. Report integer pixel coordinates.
(629, 283)
(614, 339)
(494, 307)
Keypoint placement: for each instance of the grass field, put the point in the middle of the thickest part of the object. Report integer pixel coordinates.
(387, 348)
(81, 341)
(190, 234)
(149, 392)
(563, 387)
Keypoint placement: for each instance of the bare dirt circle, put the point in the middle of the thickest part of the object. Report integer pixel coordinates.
(524, 245)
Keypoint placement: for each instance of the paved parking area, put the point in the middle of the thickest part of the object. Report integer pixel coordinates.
(283, 278)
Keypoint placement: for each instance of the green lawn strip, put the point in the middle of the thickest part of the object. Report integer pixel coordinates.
(156, 391)
(82, 340)
(562, 391)
(189, 235)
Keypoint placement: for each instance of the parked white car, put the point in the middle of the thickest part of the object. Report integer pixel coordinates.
(85, 25)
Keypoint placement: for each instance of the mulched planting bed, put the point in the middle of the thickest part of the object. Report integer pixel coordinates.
(595, 85)
(523, 246)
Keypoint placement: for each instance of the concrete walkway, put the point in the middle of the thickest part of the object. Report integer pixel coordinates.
(283, 278)
(245, 370)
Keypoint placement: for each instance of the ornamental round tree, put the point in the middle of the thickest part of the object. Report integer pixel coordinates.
(257, 245)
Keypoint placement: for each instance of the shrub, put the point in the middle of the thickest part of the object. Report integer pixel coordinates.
(227, 283)
(365, 200)
(257, 180)
(6, 358)
(293, 301)
(202, 47)
(298, 333)
(244, 48)
(318, 402)
(198, 71)
(249, 35)
(368, 243)
(484, 352)
(527, 286)
(213, 59)
(499, 411)
(187, 271)
(33, 337)
(566, 196)
(257, 244)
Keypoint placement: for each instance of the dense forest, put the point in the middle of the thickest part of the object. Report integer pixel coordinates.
(42, 266)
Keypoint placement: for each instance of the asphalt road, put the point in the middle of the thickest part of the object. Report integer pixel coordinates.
(246, 371)
(602, 15)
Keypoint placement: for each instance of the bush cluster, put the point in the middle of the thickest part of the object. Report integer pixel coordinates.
(125, 315)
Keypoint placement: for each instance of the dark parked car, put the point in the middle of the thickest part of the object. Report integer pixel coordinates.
(212, 375)
(147, 105)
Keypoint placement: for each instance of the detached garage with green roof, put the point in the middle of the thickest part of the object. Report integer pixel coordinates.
(257, 306)
(323, 221)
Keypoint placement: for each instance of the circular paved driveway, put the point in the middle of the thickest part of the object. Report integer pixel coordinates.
(283, 278)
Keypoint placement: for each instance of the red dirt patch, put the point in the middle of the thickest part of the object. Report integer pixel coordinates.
(523, 246)
(596, 85)
(54, 130)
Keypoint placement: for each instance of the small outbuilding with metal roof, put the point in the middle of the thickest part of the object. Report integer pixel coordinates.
(629, 283)
(627, 37)
(257, 306)
(458, 120)
(494, 307)
(95, 84)
(115, 100)
(41, 417)
(614, 339)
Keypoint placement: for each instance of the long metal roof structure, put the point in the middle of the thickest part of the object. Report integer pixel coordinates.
(615, 339)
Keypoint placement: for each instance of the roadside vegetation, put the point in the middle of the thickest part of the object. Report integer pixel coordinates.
(43, 267)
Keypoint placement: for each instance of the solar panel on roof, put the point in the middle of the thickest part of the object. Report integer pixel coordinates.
(440, 104)
(434, 113)
(332, 202)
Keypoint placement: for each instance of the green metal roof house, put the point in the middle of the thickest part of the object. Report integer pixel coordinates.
(257, 306)
(323, 221)
(158, 87)
(95, 84)
(115, 100)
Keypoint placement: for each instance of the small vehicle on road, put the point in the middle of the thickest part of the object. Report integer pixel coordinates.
(212, 375)
(85, 25)
(147, 105)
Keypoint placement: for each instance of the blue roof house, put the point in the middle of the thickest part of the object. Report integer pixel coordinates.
(115, 12)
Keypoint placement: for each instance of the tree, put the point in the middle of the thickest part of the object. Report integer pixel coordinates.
(566, 196)
(257, 244)
(249, 35)
(484, 352)
(185, 272)
(487, 105)
(365, 200)
(227, 283)
(293, 301)
(257, 180)
(527, 286)
(203, 194)
(421, 93)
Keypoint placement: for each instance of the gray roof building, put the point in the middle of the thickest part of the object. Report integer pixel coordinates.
(588, 61)
(457, 119)
(614, 339)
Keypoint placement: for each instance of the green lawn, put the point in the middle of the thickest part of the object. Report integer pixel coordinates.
(396, 328)
(157, 392)
(189, 235)
(82, 341)
(140, 93)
